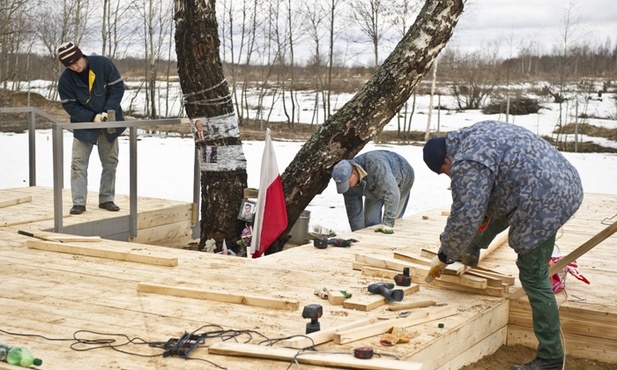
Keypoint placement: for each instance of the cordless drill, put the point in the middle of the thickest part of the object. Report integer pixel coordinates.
(313, 312)
(385, 289)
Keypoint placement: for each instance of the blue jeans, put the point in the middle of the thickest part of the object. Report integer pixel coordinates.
(108, 153)
(373, 207)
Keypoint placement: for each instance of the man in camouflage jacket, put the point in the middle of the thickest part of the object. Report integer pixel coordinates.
(508, 175)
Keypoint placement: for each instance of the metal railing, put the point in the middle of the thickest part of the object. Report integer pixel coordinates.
(58, 160)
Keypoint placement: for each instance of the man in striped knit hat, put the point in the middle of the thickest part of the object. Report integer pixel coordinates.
(89, 87)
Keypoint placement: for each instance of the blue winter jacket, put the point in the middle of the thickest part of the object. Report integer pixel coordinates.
(388, 176)
(507, 172)
(83, 103)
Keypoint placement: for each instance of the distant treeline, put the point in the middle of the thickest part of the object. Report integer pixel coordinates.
(579, 65)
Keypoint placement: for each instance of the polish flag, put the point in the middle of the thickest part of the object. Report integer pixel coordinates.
(271, 213)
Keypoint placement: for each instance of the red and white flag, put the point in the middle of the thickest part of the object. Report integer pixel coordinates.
(271, 214)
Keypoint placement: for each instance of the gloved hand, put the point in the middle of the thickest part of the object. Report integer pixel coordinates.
(384, 229)
(435, 271)
(393, 336)
(101, 117)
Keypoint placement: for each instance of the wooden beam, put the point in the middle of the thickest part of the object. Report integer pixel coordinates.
(381, 327)
(409, 305)
(370, 302)
(506, 279)
(413, 259)
(457, 268)
(584, 248)
(15, 201)
(318, 358)
(258, 301)
(418, 273)
(335, 297)
(323, 336)
(130, 256)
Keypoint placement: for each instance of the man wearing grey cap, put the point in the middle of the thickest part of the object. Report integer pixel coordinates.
(513, 177)
(383, 179)
(89, 87)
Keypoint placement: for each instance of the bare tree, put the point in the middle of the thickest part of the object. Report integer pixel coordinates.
(369, 17)
(291, 23)
(476, 74)
(570, 23)
(15, 33)
(313, 25)
(58, 24)
(334, 8)
(206, 94)
(155, 17)
(117, 26)
(239, 25)
(363, 117)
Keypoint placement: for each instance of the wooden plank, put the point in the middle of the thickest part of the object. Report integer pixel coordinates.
(153, 235)
(31, 220)
(164, 216)
(381, 327)
(485, 347)
(586, 247)
(487, 273)
(323, 336)
(73, 238)
(130, 256)
(409, 305)
(597, 322)
(249, 300)
(317, 358)
(413, 259)
(12, 202)
(367, 303)
(335, 297)
(490, 279)
(419, 273)
(457, 268)
(377, 272)
(458, 339)
(390, 263)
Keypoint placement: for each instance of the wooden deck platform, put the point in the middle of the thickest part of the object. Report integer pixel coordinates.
(67, 301)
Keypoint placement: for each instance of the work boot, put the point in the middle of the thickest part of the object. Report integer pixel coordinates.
(110, 206)
(470, 256)
(77, 210)
(541, 364)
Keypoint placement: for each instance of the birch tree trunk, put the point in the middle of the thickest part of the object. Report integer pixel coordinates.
(345, 133)
(206, 95)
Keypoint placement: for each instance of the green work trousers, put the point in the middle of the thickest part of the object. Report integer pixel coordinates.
(533, 273)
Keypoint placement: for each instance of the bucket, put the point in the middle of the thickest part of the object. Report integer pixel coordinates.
(299, 232)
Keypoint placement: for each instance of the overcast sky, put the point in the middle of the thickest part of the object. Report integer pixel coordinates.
(542, 21)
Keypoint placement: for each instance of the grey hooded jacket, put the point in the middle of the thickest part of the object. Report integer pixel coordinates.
(389, 175)
(507, 172)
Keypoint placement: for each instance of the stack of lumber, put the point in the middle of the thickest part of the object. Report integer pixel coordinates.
(458, 276)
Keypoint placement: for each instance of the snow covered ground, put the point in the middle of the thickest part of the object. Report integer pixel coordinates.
(158, 157)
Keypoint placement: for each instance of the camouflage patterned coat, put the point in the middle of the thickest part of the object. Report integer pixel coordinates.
(507, 172)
